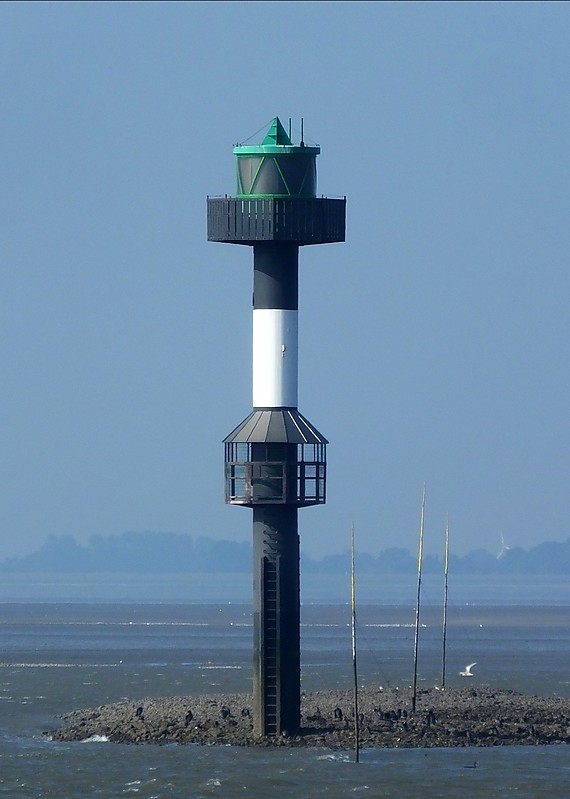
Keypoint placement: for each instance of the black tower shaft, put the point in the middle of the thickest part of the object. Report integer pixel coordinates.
(276, 639)
(276, 275)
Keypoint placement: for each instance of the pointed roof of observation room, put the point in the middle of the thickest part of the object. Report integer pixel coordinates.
(277, 426)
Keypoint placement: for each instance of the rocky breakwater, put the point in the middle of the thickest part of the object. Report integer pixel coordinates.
(455, 717)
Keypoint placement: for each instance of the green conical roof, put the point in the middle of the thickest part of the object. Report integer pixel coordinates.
(276, 134)
(276, 167)
(277, 142)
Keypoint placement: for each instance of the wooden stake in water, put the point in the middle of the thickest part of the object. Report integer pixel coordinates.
(355, 671)
(417, 625)
(444, 638)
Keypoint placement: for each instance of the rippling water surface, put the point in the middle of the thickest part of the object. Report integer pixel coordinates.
(58, 657)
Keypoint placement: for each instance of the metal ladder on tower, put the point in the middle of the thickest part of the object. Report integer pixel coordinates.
(270, 665)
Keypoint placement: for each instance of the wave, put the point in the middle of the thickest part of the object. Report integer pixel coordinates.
(215, 667)
(392, 625)
(126, 624)
(58, 665)
(96, 739)
(347, 624)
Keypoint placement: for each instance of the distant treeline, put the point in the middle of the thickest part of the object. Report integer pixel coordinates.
(160, 553)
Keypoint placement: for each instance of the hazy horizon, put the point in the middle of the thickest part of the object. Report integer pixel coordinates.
(137, 543)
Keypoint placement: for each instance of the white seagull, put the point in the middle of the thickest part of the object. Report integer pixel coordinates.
(468, 672)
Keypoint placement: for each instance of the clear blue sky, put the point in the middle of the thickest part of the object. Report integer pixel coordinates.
(433, 343)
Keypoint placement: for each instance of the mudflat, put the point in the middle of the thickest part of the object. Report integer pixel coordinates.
(471, 716)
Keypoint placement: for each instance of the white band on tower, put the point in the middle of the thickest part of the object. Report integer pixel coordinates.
(275, 359)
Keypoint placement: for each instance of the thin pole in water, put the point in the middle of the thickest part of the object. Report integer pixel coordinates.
(417, 625)
(355, 671)
(446, 570)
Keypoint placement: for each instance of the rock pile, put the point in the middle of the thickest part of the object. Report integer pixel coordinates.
(454, 717)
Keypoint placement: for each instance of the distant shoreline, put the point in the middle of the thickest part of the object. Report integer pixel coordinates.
(154, 553)
(236, 588)
(470, 716)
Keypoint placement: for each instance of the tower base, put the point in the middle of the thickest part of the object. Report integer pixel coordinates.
(276, 619)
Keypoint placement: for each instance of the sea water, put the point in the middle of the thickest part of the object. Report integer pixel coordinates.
(56, 657)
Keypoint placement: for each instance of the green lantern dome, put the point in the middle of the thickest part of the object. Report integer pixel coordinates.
(276, 167)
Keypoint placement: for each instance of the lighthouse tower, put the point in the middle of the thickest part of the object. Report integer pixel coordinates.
(275, 460)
